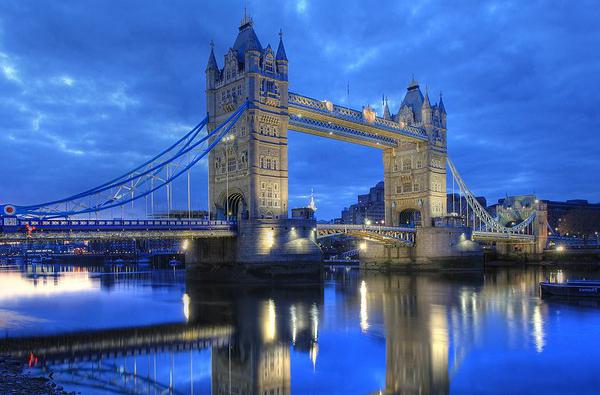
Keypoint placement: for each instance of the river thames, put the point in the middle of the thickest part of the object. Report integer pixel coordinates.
(149, 331)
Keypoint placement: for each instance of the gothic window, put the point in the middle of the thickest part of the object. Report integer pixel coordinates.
(275, 187)
(231, 165)
(262, 185)
(406, 187)
(416, 187)
(269, 66)
(406, 164)
(268, 163)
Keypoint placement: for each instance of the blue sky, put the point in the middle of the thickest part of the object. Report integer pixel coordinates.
(91, 88)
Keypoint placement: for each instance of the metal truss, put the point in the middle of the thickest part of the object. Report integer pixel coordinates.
(487, 223)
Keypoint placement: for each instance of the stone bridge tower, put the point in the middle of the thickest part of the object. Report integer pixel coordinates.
(415, 173)
(248, 171)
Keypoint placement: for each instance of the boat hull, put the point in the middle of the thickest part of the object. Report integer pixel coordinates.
(570, 290)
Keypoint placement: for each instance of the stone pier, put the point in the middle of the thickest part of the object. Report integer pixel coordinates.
(263, 248)
(437, 248)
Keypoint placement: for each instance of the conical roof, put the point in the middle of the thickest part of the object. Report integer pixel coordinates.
(426, 103)
(386, 110)
(246, 40)
(280, 49)
(212, 61)
(413, 99)
(441, 105)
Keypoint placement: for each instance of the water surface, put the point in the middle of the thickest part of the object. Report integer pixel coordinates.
(142, 331)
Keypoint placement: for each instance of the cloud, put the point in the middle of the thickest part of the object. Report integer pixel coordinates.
(90, 89)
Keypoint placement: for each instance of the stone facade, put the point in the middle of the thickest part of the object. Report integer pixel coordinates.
(415, 173)
(248, 171)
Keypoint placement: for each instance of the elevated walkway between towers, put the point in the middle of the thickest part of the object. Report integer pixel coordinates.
(326, 119)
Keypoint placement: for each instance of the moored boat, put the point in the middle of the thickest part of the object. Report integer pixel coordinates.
(571, 289)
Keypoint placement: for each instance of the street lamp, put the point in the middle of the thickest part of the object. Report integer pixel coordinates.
(227, 139)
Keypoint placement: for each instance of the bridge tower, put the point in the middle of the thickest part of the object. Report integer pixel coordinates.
(415, 172)
(248, 169)
(248, 172)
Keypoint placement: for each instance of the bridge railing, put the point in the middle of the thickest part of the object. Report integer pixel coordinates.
(349, 227)
(114, 224)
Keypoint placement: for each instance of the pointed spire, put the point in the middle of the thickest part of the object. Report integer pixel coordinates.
(281, 50)
(212, 61)
(441, 105)
(386, 110)
(413, 83)
(246, 20)
(426, 103)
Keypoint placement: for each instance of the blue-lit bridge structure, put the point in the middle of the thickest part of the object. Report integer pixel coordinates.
(70, 215)
(90, 214)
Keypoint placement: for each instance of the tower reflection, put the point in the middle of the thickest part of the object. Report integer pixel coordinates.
(417, 327)
(268, 321)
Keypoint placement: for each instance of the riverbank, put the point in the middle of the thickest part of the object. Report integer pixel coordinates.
(14, 381)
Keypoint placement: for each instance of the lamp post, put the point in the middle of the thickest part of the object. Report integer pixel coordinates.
(227, 140)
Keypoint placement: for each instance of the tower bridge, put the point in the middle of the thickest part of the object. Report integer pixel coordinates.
(249, 113)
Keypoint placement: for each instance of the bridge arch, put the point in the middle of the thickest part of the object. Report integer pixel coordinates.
(410, 217)
(236, 204)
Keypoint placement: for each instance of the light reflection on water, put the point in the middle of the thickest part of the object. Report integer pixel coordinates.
(158, 332)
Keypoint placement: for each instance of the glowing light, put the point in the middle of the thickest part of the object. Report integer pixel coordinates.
(364, 314)
(185, 244)
(560, 248)
(363, 246)
(186, 306)
(269, 321)
(314, 351)
(314, 315)
(538, 329)
(12, 285)
(294, 322)
(269, 239)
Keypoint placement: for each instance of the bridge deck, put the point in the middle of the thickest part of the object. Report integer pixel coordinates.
(114, 229)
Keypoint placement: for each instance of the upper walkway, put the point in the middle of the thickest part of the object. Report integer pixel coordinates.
(326, 119)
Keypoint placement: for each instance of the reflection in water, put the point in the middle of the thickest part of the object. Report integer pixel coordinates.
(15, 285)
(269, 322)
(410, 333)
(364, 314)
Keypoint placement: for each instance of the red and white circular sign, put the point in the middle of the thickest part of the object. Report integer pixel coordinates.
(9, 210)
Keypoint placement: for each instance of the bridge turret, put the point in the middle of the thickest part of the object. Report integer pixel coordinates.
(442, 111)
(386, 110)
(212, 75)
(281, 58)
(426, 112)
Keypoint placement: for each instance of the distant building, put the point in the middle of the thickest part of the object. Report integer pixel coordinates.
(558, 210)
(307, 212)
(303, 213)
(370, 207)
(182, 214)
(458, 204)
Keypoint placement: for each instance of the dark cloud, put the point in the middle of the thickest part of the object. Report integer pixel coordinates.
(90, 88)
